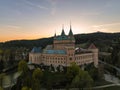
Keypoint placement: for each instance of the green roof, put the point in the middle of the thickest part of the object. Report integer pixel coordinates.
(70, 33)
(62, 37)
(54, 51)
(63, 33)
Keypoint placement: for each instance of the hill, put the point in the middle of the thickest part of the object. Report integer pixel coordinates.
(100, 39)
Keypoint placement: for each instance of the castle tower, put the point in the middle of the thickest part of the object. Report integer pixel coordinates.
(63, 40)
(70, 35)
(70, 32)
(55, 35)
(93, 48)
(70, 55)
(63, 33)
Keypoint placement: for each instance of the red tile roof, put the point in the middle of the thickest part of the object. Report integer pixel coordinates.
(92, 46)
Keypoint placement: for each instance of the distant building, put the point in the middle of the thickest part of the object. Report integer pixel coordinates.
(63, 52)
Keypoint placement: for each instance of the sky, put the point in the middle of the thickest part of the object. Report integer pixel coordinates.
(33, 19)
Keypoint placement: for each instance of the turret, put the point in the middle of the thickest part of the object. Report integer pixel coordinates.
(70, 35)
(55, 36)
(93, 48)
(70, 32)
(62, 33)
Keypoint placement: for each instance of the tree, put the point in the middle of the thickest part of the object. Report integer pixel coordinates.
(52, 68)
(1, 65)
(72, 71)
(36, 77)
(1, 78)
(78, 78)
(95, 73)
(115, 56)
(22, 67)
(58, 68)
(7, 54)
(26, 88)
(1, 88)
(82, 80)
(1, 54)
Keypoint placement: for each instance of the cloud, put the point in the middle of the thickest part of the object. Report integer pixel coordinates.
(13, 26)
(53, 6)
(108, 24)
(90, 13)
(104, 27)
(35, 5)
(52, 9)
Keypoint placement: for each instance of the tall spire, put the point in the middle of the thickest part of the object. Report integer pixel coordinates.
(55, 34)
(70, 32)
(70, 26)
(63, 33)
(62, 26)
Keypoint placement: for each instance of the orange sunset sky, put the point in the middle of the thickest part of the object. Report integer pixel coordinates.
(32, 19)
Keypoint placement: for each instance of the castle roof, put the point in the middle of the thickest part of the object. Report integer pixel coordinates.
(54, 51)
(63, 33)
(81, 51)
(36, 50)
(63, 36)
(70, 33)
(92, 46)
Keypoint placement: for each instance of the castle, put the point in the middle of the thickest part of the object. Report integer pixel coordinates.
(63, 52)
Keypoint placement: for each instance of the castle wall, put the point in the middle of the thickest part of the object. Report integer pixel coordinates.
(54, 59)
(66, 43)
(95, 56)
(35, 58)
(81, 59)
(61, 44)
(64, 60)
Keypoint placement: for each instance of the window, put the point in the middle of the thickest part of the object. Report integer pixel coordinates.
(70, 58)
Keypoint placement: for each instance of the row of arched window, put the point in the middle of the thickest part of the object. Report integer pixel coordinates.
(53, 58)
(83, 57)
(84, 62)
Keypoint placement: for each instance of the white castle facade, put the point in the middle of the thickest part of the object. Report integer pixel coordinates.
(63, 52)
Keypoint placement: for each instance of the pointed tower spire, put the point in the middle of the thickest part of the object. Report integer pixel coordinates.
(70, 26)
(55, 34)
(62, 26)
(70, 32)
(63, 33)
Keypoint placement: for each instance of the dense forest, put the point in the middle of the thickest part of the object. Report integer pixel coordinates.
(102, 40)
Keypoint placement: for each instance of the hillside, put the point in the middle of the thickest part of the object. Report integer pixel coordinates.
(100, 39)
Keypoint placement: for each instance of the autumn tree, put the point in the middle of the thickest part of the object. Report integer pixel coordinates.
(26, 88)
(23, 68)
(36, 79)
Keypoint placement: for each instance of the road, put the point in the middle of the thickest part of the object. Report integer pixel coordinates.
(118, 69)
(104, 86)
(10, 80)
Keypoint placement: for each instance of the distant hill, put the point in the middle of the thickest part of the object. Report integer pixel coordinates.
(99, 38)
